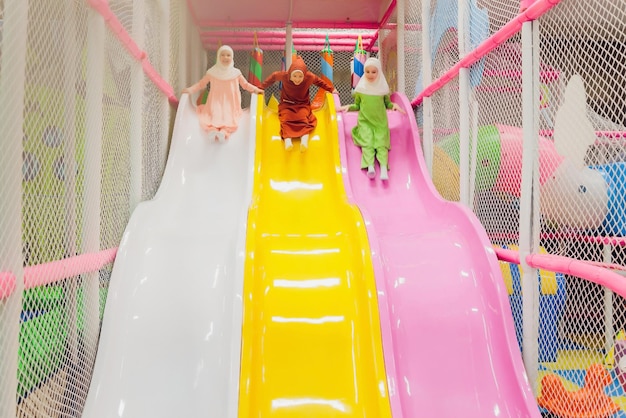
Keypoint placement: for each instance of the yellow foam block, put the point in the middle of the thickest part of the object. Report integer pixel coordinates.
(506, 274)
(272, 103)
(548, 278)
(445, 175)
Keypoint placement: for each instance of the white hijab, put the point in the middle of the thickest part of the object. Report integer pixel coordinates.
(221, 71)
(378, 87)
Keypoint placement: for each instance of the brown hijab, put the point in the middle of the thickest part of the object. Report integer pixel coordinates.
(297, 64)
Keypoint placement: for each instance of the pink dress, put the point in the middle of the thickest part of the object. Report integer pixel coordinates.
(223, 105)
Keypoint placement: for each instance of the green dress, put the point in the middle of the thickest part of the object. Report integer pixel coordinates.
(371, 132)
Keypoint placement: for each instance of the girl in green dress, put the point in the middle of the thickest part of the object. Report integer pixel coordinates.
(371, 133)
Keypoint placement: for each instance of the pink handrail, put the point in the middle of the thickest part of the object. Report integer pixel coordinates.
(56, 271)
(571, 266)
(383, 22)
(102, 7)
(538, 8)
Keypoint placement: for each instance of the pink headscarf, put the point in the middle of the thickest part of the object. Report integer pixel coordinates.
(221, 71)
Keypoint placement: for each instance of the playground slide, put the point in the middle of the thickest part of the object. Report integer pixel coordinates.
(311, 342)
(170, 339)
(448, 334)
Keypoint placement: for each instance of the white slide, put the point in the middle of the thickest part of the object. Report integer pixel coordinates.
(171, 334)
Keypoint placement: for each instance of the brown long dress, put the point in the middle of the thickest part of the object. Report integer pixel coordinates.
(294, 110)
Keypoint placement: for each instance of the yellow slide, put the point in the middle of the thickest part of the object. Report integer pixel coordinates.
(311, 343)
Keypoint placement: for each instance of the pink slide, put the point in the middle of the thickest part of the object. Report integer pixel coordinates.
(448, 334)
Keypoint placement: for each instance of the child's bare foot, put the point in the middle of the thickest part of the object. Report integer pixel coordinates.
(371, 172)
(304, 143)
(220, 136)
(384, 175)
(288, 144)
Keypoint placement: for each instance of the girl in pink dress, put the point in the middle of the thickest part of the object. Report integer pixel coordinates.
(219, 116)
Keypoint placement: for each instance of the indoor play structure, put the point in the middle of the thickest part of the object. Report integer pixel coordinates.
(286, 260)
(146, 271)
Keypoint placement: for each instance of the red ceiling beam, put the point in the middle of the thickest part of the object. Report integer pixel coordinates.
(276, 45)
(333, 36)
(203, 24)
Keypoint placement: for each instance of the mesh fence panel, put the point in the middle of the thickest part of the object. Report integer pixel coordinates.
(155, 126)
(54, 121)
(499, 12)
(11, 267)
(583, 206)
(412, 47)
(175, 50)
(49, 318)
(599, 58)
(498, 139)
(123, 10)
(580, 173)
(445, 122)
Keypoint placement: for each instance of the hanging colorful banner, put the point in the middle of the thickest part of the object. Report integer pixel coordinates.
(326, 64)
(255, 75)
(358, 60)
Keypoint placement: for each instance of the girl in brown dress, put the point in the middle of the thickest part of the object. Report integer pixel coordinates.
(294, 110)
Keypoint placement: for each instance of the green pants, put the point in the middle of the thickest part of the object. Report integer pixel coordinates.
(369, 153)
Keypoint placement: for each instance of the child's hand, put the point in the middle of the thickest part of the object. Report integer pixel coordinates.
(185, 90)
(344, 108)
(259, 91)
(335, 91)
(397, 108)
